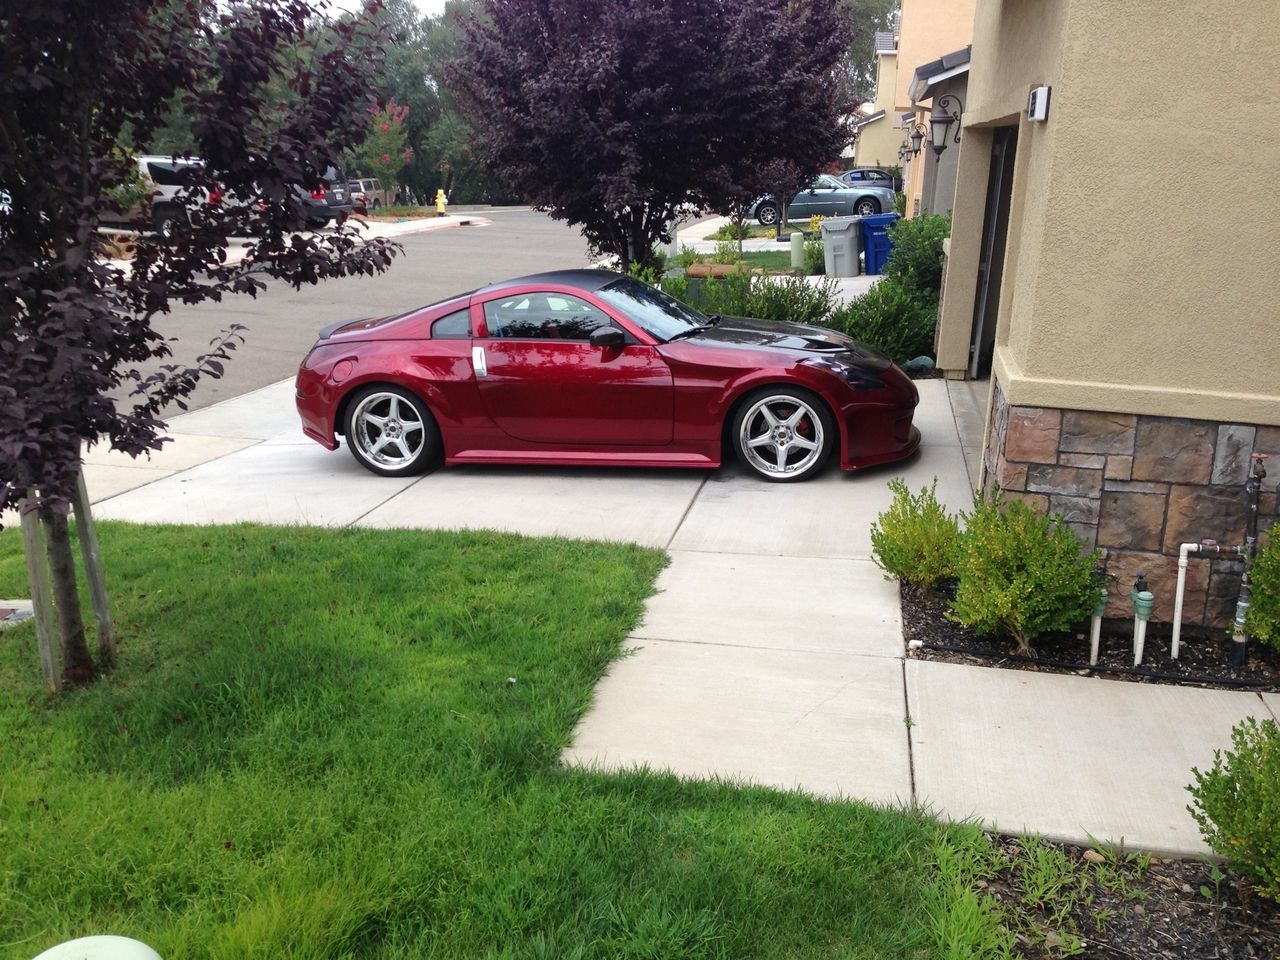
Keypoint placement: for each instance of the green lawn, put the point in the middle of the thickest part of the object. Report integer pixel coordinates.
(311, 748)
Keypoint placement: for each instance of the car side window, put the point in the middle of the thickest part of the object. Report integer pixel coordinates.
(453, 326)
(543, 316)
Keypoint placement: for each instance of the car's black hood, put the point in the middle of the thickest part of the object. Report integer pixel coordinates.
(798, 337)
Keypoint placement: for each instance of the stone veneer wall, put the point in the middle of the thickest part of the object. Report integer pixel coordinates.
(1137, 487)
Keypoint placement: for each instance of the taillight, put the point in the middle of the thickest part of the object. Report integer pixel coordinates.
(318, 192)
(215, 197)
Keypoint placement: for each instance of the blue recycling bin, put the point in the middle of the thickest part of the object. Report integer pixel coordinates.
(875, 241)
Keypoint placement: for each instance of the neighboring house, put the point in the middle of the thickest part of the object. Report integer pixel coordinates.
(943, 83)
(1130, 319)
(927, 30)
(878, 138)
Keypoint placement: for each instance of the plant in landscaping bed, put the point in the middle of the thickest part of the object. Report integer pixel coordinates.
(900, 203)
(773, 298)
(915, 539)
(1237, 803)
(916, 261)
(1263, 619)
(815, 223)
(1020, 574)
(889, 319)
(815, 262)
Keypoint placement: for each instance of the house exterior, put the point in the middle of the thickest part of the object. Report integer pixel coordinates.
(878, 137)
(1125, 302)
(927, 30)
(944, 81)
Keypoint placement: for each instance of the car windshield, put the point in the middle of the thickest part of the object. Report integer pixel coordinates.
(659, 314)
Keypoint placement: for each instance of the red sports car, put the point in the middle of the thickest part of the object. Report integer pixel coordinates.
(588, 367)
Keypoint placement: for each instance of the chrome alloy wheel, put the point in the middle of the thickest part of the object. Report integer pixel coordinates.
(388, 430)
(781, 436)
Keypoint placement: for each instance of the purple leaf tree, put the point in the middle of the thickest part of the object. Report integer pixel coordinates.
(273, 94)
(621, 115)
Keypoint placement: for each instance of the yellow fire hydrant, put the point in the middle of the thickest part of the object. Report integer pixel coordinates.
(441, 202)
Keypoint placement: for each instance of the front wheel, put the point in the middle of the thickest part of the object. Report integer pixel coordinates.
(783, 434)
(866, 207)
(767, 214)
(391, 432)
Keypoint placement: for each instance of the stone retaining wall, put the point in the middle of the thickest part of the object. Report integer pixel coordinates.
(1137, 487)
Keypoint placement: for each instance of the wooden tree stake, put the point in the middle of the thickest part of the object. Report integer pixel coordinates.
(41, 593)
(94, 572)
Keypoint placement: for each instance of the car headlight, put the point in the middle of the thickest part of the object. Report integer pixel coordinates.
(858, 377)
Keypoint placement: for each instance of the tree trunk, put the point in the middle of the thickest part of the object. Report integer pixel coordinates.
(94, 573)
(77, 664)
(41, 600)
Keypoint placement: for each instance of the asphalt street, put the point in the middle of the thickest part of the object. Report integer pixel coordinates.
(282, 322)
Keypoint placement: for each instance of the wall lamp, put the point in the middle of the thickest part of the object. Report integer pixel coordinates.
(946, 111)
(916, 133)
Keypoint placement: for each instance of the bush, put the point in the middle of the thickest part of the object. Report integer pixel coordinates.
(900, 203)
(890, 320)
(1020, 574)
(1263, 619)
(773, 298)
(1237, 803)
(915, 262)
(915, 539)
(815, 262)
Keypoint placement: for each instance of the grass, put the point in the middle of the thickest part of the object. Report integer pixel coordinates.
(311, 748)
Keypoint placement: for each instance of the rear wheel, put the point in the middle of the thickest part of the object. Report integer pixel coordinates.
(168, 221)
(767, 213)
(391, 432)
(783, 434)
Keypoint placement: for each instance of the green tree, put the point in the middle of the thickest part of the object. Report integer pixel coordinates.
(867, 17)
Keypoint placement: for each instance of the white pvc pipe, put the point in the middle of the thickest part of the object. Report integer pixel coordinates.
(1183, 551)
(1139, 639)
(1095, 634)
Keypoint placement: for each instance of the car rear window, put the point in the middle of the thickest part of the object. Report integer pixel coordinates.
(453, 326)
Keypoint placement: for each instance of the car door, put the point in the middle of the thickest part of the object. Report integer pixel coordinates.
(542, 381)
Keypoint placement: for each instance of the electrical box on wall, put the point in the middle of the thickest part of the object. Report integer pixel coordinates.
(1038, 104)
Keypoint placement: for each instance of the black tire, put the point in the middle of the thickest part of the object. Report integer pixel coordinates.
(866, 207)
(785, 451)
(168, 220)
(398, 410)
(376, 203)
(767, 213)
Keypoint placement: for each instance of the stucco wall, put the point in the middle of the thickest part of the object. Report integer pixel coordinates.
(1137, 279)
(927, 30)
(879, 140)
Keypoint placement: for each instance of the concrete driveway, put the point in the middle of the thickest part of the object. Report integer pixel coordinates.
(773, 651)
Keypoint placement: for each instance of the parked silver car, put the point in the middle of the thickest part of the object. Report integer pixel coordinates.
(829, 197)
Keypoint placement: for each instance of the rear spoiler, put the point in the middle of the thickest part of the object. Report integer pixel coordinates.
(333, 328)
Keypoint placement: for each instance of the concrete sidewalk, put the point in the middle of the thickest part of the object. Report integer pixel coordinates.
(773, 650)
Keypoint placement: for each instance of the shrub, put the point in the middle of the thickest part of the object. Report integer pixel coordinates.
(1263, 619)
(772, 298)
(890, 320)
(1237, 803)
(815, 223)
(915, 539)
(915, 262)
(1020, 574)
(815, 262)
(900, 203)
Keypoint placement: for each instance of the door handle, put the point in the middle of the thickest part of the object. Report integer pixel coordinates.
(478, 362)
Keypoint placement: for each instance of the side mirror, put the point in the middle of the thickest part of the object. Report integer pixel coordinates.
(608, 337)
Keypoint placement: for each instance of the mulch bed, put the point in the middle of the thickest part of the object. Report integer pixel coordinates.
(1202, 660)
(1175, 909)
(1168, 910)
